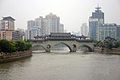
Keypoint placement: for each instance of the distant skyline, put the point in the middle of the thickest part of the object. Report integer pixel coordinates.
(71, 12)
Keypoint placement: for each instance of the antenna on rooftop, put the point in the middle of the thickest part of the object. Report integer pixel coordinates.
(98, 7)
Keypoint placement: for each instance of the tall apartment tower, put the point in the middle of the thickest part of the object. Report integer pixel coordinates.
(7, 28)
(30, 24)
(44, 26)
(84, 29)
(34, 28)
(95, 21)
(53, 23)
(61, 28)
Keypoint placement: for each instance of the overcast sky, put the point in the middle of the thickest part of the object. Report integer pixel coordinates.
(71, 12)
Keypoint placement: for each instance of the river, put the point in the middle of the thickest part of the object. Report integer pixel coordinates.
(63, 66)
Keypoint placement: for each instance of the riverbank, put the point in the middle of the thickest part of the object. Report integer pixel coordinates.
(115, 51)
(14, 56)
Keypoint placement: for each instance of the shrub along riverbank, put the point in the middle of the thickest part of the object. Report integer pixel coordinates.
(108, 46)
(12, 50)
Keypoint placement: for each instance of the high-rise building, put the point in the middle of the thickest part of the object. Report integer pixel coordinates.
(61, 28)
(30, 24)
(7, 27)
(95, 21)
(53, 23)
(84, 29)
(34, 28)
(45, 26)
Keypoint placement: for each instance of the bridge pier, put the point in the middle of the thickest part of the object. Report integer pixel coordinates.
(72, 51)
(48, 48)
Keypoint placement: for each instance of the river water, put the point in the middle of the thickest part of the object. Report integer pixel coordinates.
(63, 66)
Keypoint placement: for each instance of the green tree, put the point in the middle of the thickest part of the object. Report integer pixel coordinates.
(99, 44)
(28, 45)
(108, 44)
(7, 46)
(22, 45)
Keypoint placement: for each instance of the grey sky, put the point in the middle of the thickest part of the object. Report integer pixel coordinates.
(72, 12)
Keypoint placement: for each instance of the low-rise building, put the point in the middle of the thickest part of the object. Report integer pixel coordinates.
(18, 35)
(34, 31)
(6, 28)
(106, 30)
(6, 35)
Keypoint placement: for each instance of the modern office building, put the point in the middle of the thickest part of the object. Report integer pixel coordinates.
(84, 29)
(107, 30)
(98, 30)
(95, 21)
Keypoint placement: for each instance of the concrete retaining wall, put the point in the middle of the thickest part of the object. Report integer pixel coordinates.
(108, 51)
(7, 57)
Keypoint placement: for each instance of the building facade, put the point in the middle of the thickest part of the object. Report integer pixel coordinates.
(7, 23)
(95, 21)
(53, 23)
(7, 27)
(84, 29)
(44, 26)
(107, 30)
(34, 31)
(6, 35)
(61, 28)
(118, 32)
(18, 34)
(34, 28)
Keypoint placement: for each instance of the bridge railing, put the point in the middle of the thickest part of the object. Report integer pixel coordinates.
(68, 39)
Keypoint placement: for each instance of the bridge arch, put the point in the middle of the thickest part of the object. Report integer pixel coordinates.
(88, 47)
(67, 45)
(40, 46)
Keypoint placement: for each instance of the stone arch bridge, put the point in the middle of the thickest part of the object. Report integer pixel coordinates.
(71, 41)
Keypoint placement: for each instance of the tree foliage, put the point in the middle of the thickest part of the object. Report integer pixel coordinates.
(22, 45)
(7, 46)
(13, 46)
(108, 43)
